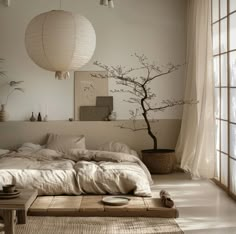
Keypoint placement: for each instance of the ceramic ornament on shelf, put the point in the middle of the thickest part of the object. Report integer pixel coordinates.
(32, 118)
(45, 119)
(4, 116)
(60, 41)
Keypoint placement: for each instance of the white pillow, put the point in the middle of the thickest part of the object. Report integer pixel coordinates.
(114, 146)
(29, 147)
(64, 143)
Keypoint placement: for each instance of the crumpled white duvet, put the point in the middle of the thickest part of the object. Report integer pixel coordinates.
(92, 172)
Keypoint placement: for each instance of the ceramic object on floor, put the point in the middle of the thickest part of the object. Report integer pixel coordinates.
(4, 116)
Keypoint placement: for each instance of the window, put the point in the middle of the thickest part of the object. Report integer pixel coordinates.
(224, 72)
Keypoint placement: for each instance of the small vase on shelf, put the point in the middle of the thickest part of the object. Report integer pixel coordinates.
(32, 118)
(39, 117)
(112, 116)
(4, 116)
(45, 119)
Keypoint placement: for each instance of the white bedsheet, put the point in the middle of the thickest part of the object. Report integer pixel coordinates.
(97, 172)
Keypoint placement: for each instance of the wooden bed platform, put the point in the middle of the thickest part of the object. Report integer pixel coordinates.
(93, 206)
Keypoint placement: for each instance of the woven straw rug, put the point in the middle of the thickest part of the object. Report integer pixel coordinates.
(97, 225)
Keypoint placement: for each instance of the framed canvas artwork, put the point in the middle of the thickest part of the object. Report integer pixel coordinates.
(86, 91)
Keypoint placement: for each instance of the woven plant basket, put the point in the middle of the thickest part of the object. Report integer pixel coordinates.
(159, 161)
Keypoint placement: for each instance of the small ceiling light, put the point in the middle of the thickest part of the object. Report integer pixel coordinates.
(7, 2)
(109, 3)
(104, 2)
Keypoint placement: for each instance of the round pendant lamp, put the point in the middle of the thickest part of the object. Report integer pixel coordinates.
(60, 41)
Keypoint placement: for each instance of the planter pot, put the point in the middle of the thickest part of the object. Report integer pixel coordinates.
(4, 116)
(159, 161)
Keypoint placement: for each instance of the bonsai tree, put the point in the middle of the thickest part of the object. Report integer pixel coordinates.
(139, 88)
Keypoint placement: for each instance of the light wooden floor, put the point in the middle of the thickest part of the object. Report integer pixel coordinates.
(204, 207)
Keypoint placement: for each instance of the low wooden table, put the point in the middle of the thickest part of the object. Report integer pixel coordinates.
(10, 208)
(92, 205)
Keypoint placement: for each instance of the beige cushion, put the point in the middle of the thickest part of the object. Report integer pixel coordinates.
(64, 143)
(114, 146)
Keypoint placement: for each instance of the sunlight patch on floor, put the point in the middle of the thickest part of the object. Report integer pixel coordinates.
(203, 207)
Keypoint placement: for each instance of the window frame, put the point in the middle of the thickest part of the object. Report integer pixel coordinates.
(219, 88)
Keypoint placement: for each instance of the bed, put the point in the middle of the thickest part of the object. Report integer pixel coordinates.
(64, 166)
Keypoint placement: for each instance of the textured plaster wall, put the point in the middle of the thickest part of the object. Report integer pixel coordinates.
(155, 28)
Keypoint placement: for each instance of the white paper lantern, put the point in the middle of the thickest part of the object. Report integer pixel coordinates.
(60, 41)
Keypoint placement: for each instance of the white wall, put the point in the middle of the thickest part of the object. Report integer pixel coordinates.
(36, 132)
(155, 28)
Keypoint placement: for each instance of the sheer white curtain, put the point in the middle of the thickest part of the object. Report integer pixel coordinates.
(195, 148)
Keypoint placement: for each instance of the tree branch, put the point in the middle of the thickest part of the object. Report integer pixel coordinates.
(140, 88)
(169, 103)
(132, 129)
